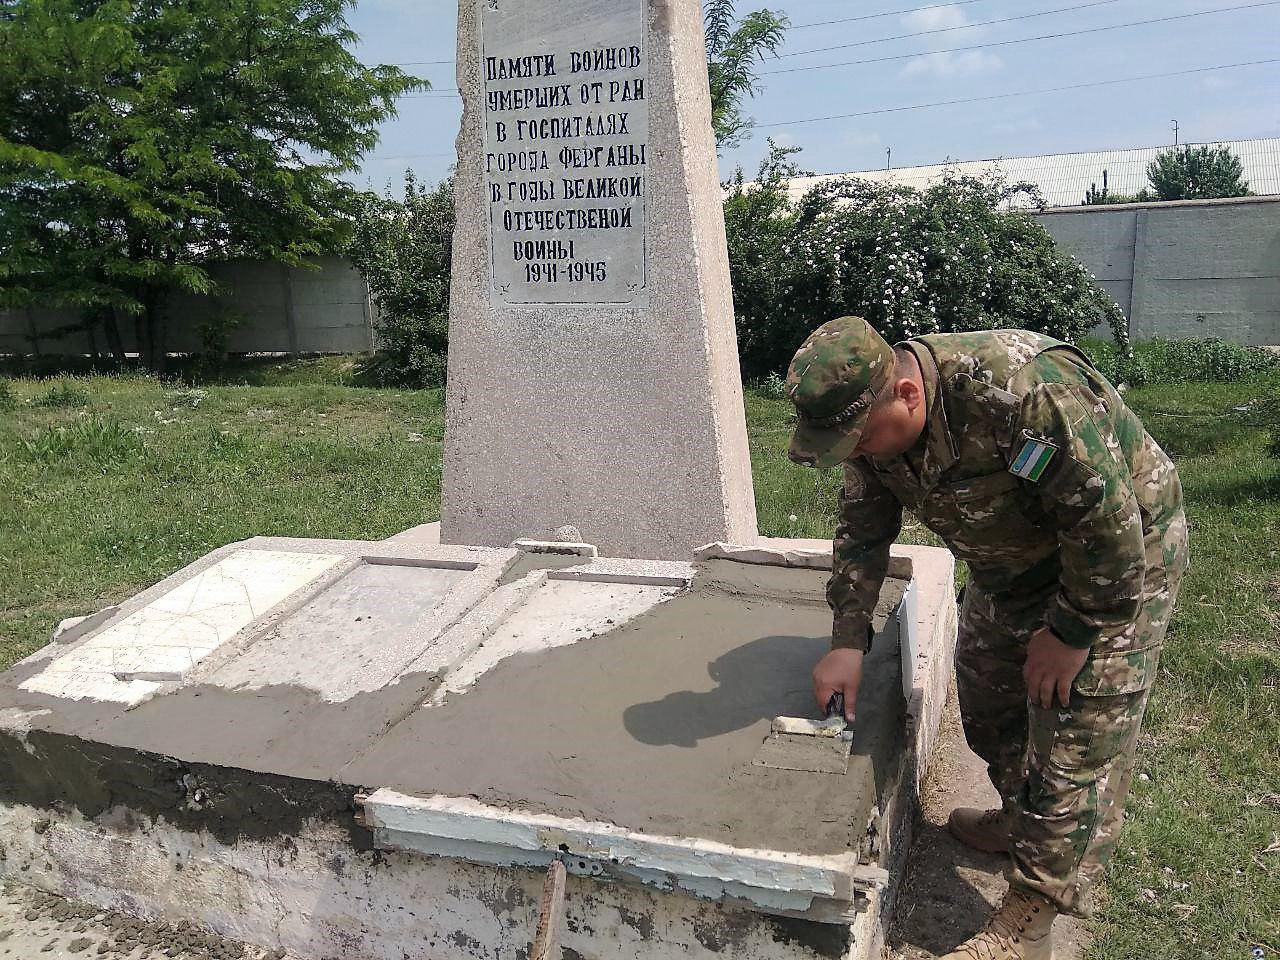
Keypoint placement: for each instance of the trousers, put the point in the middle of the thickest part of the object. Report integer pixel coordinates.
(1063, 773)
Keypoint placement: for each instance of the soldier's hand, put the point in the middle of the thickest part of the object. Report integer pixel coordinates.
(1051, 668)
(840, 671)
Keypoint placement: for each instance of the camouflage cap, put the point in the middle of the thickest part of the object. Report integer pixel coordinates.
(833, 379)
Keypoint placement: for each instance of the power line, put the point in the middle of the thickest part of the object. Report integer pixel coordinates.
(947, 103)
(963, 26)
(1006, 43)
(1019, 93)
(973, 46)
(869, 16)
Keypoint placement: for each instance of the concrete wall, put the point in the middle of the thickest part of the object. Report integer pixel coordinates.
(1207, 268)
(286, 310)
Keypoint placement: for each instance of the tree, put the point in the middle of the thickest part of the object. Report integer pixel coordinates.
(141, 140)
(402, 249)
(1197, 173)
(952, 257)
(733, 51)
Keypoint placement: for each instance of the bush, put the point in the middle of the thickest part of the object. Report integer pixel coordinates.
(948, 258)
(402, 248)
(7, 400)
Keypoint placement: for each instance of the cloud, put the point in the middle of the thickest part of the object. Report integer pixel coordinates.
(1212, 82)
(935, 18)
(950, 65)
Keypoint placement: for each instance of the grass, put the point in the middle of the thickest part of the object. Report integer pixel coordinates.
(123, 479)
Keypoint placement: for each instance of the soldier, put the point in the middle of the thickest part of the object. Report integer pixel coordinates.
(1025, 460)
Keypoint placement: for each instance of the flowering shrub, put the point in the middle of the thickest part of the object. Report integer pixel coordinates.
(948, 258)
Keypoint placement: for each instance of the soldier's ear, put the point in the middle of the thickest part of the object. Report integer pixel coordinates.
(909, 392)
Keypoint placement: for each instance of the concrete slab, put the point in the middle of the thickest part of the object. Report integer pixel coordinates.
(38, 924)
(164, 640)
(425, 535)
(607, 708)
(558, 613)
(652, 726)
(361, 632)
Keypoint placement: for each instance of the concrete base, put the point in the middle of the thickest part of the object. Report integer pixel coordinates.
(213, 765)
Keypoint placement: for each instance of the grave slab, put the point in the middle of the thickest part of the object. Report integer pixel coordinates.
(604, 712)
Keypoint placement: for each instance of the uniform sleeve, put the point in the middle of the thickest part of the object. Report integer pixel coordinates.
(870, 518)
(1086, 487)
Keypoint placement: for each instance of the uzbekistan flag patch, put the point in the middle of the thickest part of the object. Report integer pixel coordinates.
(1032, 459)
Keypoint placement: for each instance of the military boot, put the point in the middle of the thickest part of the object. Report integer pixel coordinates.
(1020, 930)
(985, 830)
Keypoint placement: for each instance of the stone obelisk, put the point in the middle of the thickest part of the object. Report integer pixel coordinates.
(593, 367)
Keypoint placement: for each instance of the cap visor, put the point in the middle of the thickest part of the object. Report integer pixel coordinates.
(824, 447)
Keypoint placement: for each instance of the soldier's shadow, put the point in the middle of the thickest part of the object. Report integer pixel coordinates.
(939, 906)
(764, 678)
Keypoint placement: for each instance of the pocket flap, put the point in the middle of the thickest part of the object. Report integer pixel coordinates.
(1115, 673)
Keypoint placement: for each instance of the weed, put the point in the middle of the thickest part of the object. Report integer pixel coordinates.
(63, 394)
(101, 441)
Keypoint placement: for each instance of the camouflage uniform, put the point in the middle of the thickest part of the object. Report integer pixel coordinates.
(1069, 515)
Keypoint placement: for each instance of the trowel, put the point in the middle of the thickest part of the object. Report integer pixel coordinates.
(814, 746)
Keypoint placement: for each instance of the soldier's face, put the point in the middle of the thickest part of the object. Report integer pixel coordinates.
(895, 424)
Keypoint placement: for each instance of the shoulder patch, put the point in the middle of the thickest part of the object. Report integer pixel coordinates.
(1031, 460)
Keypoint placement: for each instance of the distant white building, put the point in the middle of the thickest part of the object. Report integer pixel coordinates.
(1064, 178)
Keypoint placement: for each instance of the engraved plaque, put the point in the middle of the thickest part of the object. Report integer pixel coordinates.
(566, 125)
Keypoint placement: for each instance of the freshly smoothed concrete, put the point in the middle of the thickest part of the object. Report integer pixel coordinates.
(654, 725)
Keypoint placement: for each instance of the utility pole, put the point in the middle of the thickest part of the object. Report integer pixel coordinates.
(1175, 132)
(888, 155)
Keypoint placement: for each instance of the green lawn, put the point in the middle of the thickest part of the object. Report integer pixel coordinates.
(109, 483)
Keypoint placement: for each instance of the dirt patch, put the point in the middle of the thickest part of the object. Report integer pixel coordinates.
(38, 924)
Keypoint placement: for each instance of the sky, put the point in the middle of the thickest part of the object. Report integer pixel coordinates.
(928, 67)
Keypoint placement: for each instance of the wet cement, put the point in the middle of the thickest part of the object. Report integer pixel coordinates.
(654, 725)
(651, 726)
(527, 563)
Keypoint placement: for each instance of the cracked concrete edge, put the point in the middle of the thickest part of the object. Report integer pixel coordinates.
(313, 895)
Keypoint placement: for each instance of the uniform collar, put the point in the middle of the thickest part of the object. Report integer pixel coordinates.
(939, 452)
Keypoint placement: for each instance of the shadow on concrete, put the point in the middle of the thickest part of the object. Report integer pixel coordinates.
(756, 681)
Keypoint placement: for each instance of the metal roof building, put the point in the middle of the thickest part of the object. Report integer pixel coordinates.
(1065, 177)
